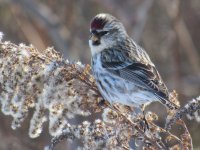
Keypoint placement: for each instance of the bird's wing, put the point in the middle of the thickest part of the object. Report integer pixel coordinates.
(141, 72)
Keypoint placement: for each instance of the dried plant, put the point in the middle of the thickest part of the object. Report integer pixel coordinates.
(58, 90)
(191, 110)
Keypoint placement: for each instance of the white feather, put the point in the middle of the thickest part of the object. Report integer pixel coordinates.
(95, 49)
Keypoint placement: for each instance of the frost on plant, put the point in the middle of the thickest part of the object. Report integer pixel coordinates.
(58, 90)
(30, 79)
(1, 36)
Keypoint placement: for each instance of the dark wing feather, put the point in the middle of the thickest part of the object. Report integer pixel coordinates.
(144, 75)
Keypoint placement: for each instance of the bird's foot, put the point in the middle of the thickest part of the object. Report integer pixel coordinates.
(102, 102)
(144, 120)
(146, 124)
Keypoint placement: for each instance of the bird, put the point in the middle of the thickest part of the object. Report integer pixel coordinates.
(123, 71)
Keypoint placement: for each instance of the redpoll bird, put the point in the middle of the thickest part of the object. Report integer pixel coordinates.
(122, 69)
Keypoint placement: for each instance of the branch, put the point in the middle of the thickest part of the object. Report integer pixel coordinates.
(190, 109)
(44, 82)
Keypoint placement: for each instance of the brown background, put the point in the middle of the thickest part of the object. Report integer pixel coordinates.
(168, 29)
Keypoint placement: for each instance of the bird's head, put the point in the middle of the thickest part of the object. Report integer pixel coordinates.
(106, 31)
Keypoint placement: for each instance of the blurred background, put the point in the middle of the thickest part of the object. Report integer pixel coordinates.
(169, 30)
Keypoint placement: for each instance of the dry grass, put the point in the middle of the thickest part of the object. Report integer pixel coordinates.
(58, 90)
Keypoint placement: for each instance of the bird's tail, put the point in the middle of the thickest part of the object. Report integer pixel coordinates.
(170, 104)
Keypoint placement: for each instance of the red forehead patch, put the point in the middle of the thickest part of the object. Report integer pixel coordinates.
(98, 23)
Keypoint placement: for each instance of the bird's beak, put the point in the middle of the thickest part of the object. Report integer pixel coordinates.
(94, 38)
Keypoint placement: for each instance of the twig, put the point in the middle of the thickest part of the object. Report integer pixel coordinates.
(155, 142)
(170, 134)
(186, 137)
(189, 108)
(58, 139)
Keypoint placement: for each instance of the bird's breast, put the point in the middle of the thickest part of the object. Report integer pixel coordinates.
(96, 63)
(116, 89)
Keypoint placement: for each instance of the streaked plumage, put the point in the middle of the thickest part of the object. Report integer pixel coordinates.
(123, 71)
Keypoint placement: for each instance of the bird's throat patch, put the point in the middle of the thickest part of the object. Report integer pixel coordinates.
(96, 43)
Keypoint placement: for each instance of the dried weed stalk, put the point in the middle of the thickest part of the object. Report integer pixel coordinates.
(191, 110)
(58, 90)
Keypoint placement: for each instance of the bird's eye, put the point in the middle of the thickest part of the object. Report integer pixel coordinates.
(94, 32)
(103, 33)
